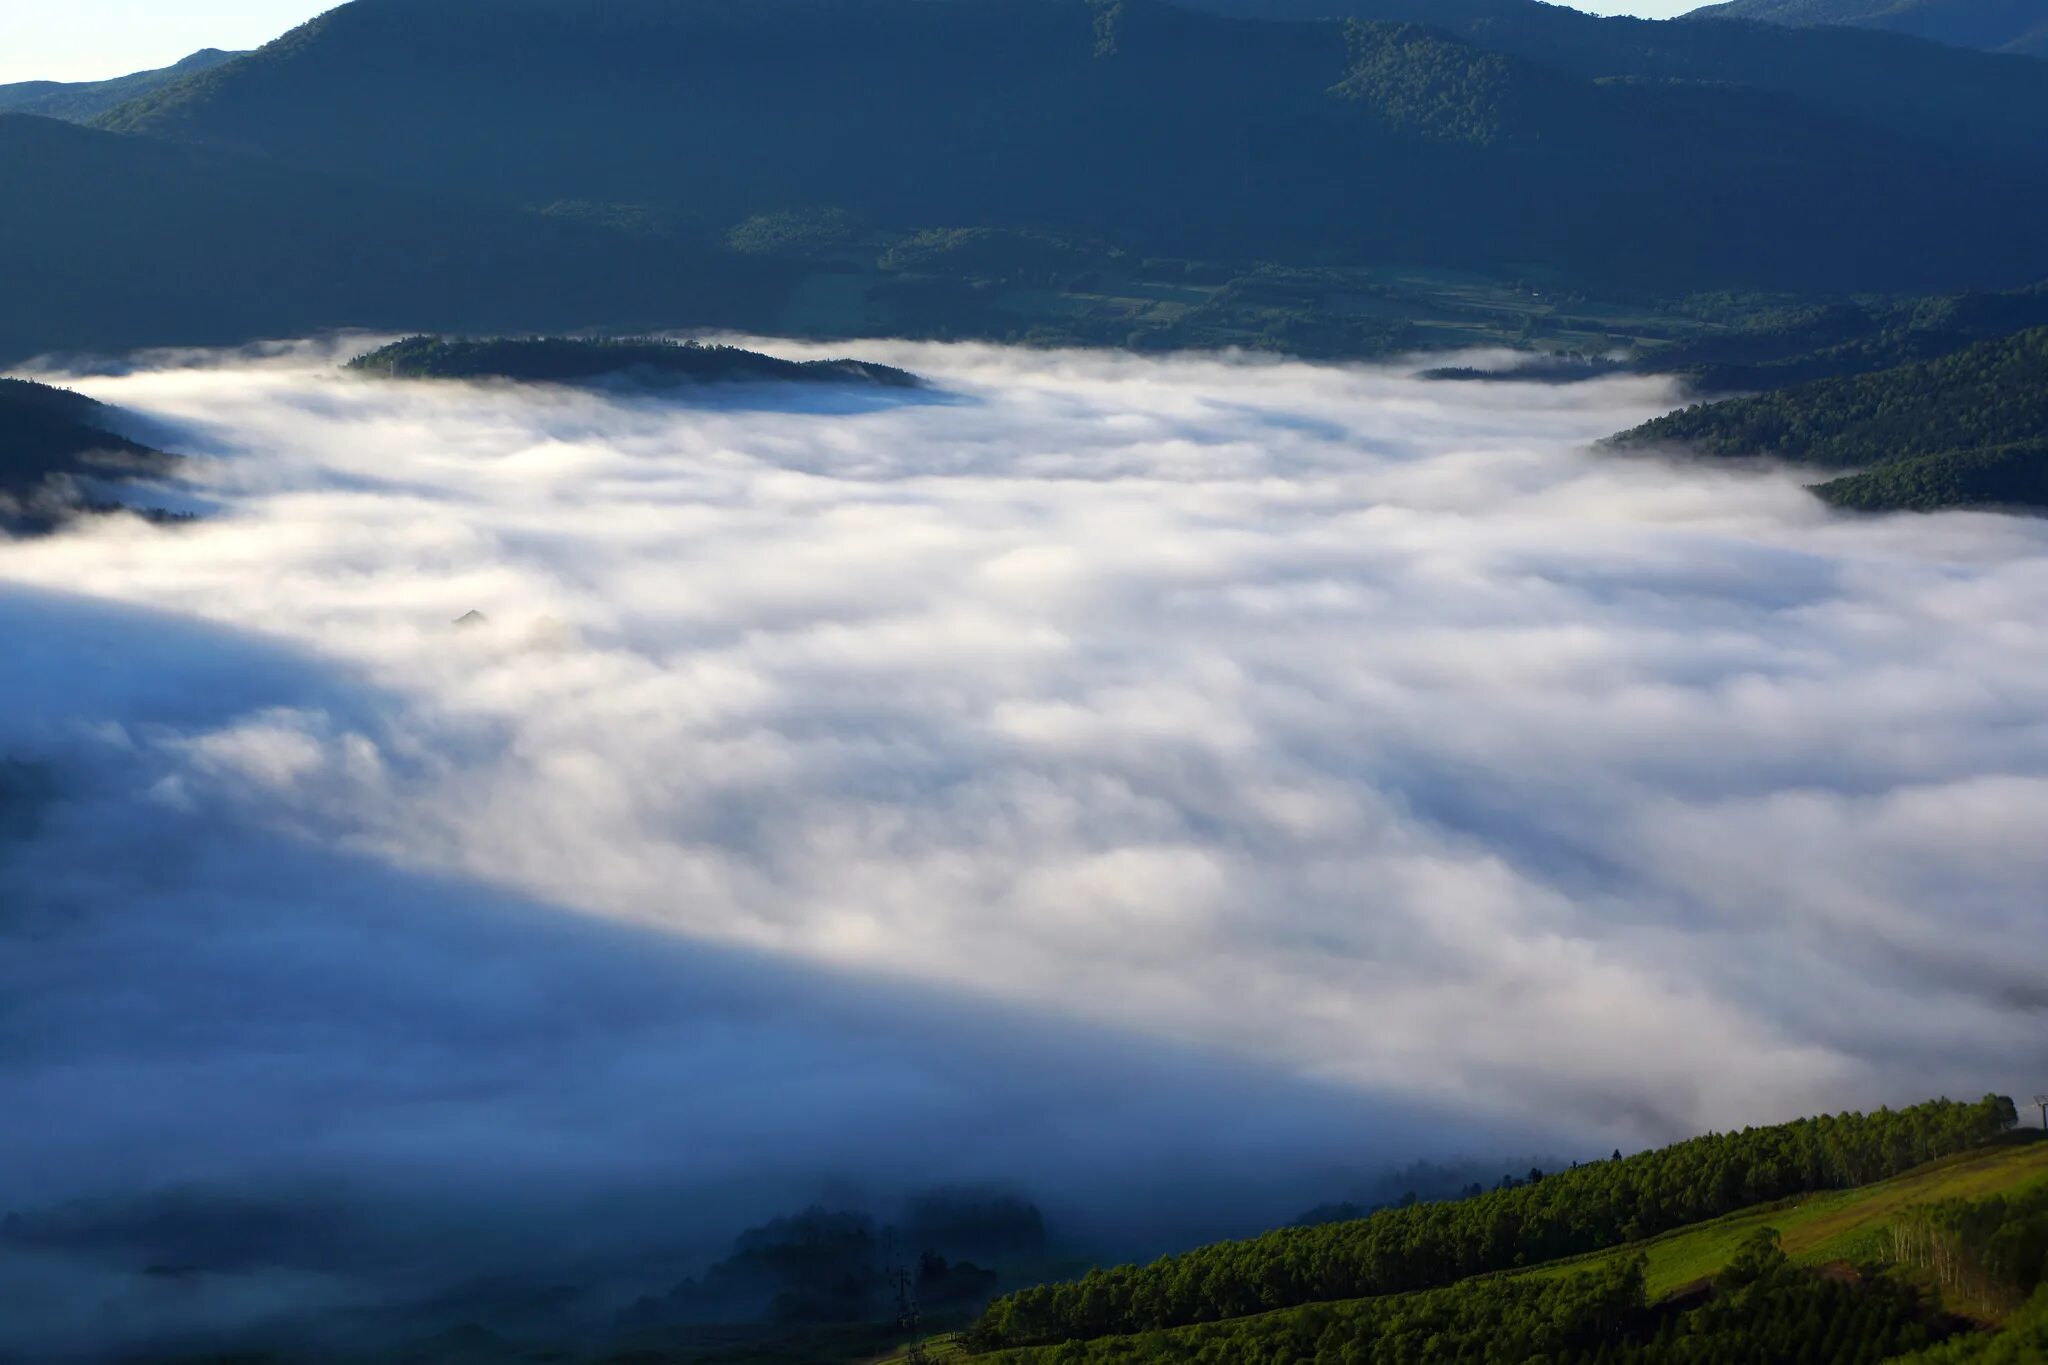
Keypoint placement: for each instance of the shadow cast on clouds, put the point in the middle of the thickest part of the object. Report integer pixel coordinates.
(1374, 747)
(406, 1080)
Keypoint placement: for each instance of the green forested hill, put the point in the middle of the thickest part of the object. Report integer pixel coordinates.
(1642, 155)
(1430, 1245)
(1765, 1310)
(48, 436)
(78, 101)
(1908, 1269)
(488, 166)
(1989, 394)
(2017, 26)
(2012, 475)
(111, 241)
(1886, 80)
(1774, 348)
(1967, 428)
(563, 360)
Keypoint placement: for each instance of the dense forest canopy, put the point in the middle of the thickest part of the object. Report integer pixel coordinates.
(1428, 1245)
(1988, 394)
(1967, 428)
(1764, 1309)
(1775, 347)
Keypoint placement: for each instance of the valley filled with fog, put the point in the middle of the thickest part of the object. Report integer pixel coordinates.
(1166, 788)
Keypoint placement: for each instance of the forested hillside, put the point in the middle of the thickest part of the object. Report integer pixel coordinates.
(1764, 1310)
(1968, 428)
(1430, 1245)
(1945, 1264)
(1774, 348)
(1919, 89)
(2016, 26)
(78, 101)
(1641, 154)
(114, 241)
(48, 439)
(1126, 174)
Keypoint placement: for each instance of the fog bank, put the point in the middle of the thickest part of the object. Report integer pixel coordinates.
(1166, 786)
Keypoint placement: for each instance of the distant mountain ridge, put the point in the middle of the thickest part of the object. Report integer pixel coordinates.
(82, 101)
(534, 166)
(2015, 26)
(1886, 79)
(1664, 155)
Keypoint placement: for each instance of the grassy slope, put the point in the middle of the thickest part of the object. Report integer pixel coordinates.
(1815, 1230)
(1833, 1226)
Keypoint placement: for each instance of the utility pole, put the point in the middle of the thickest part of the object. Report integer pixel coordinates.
(2042, 1100)
(908, 1315)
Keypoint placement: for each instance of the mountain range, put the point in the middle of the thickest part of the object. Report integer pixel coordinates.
(2016, 26)
(478, 165)
(79, 101)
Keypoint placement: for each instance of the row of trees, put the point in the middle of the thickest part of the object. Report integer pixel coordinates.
(1430, 1245)
(1761, 1309)
(1992, 1251)
(569, 360)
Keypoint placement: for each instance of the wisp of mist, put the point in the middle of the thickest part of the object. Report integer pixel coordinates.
(1165, 787)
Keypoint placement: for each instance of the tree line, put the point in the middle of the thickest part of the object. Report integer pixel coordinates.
(1426, 1246)
(1760, 1309)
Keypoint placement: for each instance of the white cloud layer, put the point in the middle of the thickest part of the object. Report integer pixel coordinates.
(1372, 734)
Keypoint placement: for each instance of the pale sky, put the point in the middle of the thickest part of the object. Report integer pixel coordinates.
(84, 40)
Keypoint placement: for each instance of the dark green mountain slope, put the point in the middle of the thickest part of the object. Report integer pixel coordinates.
(563, 360)
(1951, 1259)
(1969, 100)
(1163, 131)
(1991, 394)
(79, 101)
(2018, 26)
(2013, 475)
(49, 437)
(1430, 1245)
(112, 241)
(1781, 347)
(1970, 428)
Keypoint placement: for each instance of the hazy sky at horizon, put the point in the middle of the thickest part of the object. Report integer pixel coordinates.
(96, 39)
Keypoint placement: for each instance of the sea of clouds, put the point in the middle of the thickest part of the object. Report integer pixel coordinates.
(1162, 784)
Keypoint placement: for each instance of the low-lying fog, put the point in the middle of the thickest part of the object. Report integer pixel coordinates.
(1167, 788)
